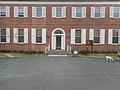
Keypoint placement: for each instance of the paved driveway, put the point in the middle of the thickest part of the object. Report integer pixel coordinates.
(59, 73)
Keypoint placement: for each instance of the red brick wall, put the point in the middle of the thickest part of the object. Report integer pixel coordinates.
(65, 23)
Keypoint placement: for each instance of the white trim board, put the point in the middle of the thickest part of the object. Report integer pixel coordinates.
(71, 3)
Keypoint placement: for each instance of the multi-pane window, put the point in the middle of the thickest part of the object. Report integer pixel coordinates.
(78, 12)
(39, 12)
(4, 11)
(3, 35)
(77, 36)
(97, 11)
(96, 36)
(58, 12)
(20, 11)
(115, 38)
(21, 35)
(38, 35)
(116, 12)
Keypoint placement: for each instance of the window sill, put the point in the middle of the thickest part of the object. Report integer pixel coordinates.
(97, 17)
(20, 17)
(21, 43)
(114, 17)
(78, 17)
(115, 44)
(38, 43)
(58, 17)
(3, 43)
(39, 17)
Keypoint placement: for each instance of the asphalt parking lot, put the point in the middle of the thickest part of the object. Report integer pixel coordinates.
(59, 73)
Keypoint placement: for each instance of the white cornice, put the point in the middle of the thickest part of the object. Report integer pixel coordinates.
(71, 3)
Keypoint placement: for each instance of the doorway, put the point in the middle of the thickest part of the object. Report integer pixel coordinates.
(58, 42)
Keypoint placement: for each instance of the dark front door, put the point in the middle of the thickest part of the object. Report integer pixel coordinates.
(58, 42)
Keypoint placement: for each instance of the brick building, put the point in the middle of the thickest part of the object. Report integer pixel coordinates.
(44, 25)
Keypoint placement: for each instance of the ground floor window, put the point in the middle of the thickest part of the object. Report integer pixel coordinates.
(96, 36)
(21, 35)
(38, 35)
(77, 36)
(115, 37)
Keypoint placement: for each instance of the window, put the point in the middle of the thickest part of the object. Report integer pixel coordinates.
(78, 12)
(39, 12)
(21, 11)
(58, 12)
(97, 12)
(58, 32)
(4, 11)
(38, 35)
(96, 36)
(115, 38)
(116, 12)
(77, 36)
(3, 35)
(21, 35)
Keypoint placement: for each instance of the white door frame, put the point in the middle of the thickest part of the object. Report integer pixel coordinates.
(62, 39)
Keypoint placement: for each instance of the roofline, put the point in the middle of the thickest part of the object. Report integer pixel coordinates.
(51, 2)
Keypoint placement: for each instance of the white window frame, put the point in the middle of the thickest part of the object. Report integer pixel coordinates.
(102, 12)
(7, 35)
(110, 37)
(83, 36)
(16, 11)
(112, 12)
(102, 36)
(15, 35)
(63, 12)
(7, 11)
(83, 12)
(34, 12)
(33, 36)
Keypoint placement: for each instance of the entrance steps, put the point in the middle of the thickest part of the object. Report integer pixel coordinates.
(58, 53)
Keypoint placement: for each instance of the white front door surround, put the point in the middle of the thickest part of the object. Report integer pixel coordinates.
(54, 39)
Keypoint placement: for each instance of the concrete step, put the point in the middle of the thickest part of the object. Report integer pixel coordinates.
(58, 52)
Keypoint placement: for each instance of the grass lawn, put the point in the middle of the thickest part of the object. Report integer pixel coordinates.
(99, 55)
(2, 55)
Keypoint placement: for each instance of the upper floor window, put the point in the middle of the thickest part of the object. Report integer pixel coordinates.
(78, 12)
(78, 36)
(97, 35)
(20, 35)
(115, 12)
(38, 35)
(20, 11)
(58, 12)
(4, 11)
(4, 35)
(97, 12)
(39, 12)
